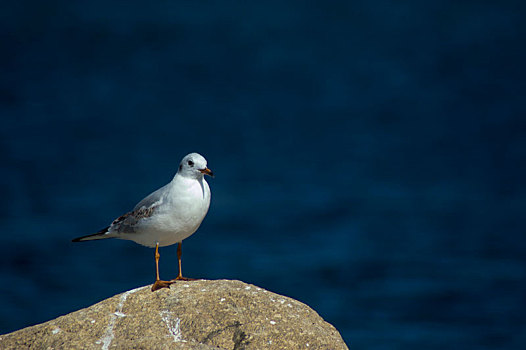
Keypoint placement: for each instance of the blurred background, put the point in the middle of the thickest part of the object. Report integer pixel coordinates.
(369, 157)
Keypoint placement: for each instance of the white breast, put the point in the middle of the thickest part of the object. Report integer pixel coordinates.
(182, 209)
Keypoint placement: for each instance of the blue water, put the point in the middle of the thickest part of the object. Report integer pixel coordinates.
(369, 157)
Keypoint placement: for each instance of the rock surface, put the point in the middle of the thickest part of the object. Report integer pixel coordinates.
(200, 314)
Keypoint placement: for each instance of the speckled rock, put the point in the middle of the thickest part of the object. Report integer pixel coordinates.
(200, 315)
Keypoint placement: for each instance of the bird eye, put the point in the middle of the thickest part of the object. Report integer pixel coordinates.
(190, 163)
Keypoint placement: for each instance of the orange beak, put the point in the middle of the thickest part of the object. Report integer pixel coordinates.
(207, 171)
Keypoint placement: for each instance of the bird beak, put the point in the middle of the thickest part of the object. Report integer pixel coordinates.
(207, 171)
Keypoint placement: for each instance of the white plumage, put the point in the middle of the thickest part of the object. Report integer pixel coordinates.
(170, 214)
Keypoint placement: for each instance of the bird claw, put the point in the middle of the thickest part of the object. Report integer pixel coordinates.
(181, 278)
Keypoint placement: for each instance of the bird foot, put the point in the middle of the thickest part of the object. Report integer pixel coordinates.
(161, 284)
(181, 278)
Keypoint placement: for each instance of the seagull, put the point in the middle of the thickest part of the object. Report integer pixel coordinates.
(167, 216)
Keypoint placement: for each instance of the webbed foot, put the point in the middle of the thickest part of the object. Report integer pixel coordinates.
(161, 284)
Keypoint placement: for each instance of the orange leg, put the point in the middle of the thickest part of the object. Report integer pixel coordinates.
(158, 283)
(180, 275)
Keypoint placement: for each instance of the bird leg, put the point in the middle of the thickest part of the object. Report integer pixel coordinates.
(158, 283)
(179, 254)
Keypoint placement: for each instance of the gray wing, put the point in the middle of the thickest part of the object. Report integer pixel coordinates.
(129, 222)
(154, 198)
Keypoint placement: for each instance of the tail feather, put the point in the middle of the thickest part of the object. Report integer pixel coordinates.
(102, 234)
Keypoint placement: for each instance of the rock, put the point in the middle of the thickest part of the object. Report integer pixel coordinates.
(202, 315)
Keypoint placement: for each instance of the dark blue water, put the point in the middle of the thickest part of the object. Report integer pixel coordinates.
(369, 157)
